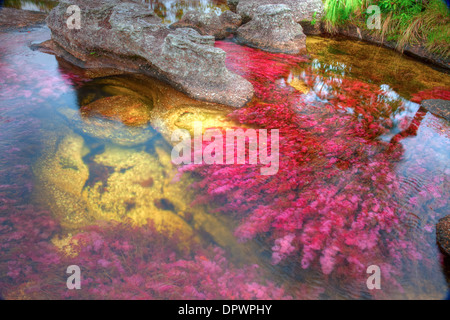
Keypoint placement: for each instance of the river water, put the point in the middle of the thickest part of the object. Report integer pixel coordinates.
(363, 179)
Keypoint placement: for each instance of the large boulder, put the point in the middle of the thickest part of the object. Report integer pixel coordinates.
(438, 107)
(128, 36)
(303, 10)
(209, 23)
(443, 234)
(273, 29)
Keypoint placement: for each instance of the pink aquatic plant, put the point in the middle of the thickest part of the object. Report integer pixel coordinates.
(117, 262)
(435, 93)
(335, 203)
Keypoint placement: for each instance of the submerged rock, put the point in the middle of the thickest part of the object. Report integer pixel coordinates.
(443, 234)
(127, 109)
(184, 116)
(209, 23)
(160, 106)
(132, 189)
(107, 130)
(273, 29)
(82, 188)
(61, 175)
(438, 107)
(303, 10)
(128, 36)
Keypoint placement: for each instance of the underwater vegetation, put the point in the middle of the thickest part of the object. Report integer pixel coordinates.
(363, 179)
(338, 202)
(120, 260)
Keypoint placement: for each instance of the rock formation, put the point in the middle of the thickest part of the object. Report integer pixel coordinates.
(210, 23)
(273, 29)
(301, 9)
(438, 107)
(128, 36)
(443, 234)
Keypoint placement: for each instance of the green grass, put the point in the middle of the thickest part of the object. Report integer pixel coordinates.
(407, 22)
(338, 12)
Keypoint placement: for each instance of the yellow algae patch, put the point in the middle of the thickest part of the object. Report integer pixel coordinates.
(134, 190)
(379, 65)
(61, 175)
(66, 244)
(299, 85)
(169, 109)
(183, 117)
(128, 110)
(131, 184)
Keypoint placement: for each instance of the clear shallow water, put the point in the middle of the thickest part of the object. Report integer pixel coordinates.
(51, 160)
(173, 10)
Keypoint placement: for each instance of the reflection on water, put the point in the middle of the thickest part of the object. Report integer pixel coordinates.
(99, 150)
(338, 100)
(32, 5)
(173, 10)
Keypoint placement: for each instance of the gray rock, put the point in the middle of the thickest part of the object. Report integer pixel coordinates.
(438, 107)
(128, 36)
(273, 29)
(303, 10)
(209, 23)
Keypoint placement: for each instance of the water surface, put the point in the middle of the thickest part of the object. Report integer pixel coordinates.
(86, 169)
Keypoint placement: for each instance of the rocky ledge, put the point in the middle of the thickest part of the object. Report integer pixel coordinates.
(273, 29)
(438, 107)
(209, 23)
(13, 19)
(303, 10)
(125, 35)
(443, 234)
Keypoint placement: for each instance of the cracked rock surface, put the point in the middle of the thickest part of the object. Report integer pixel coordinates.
(127, 36)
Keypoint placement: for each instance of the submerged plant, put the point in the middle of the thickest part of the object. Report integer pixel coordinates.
(336, 202)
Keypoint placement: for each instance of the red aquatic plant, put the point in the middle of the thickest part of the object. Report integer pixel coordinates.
(435, 93)
(117, 262)
(335, 203)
